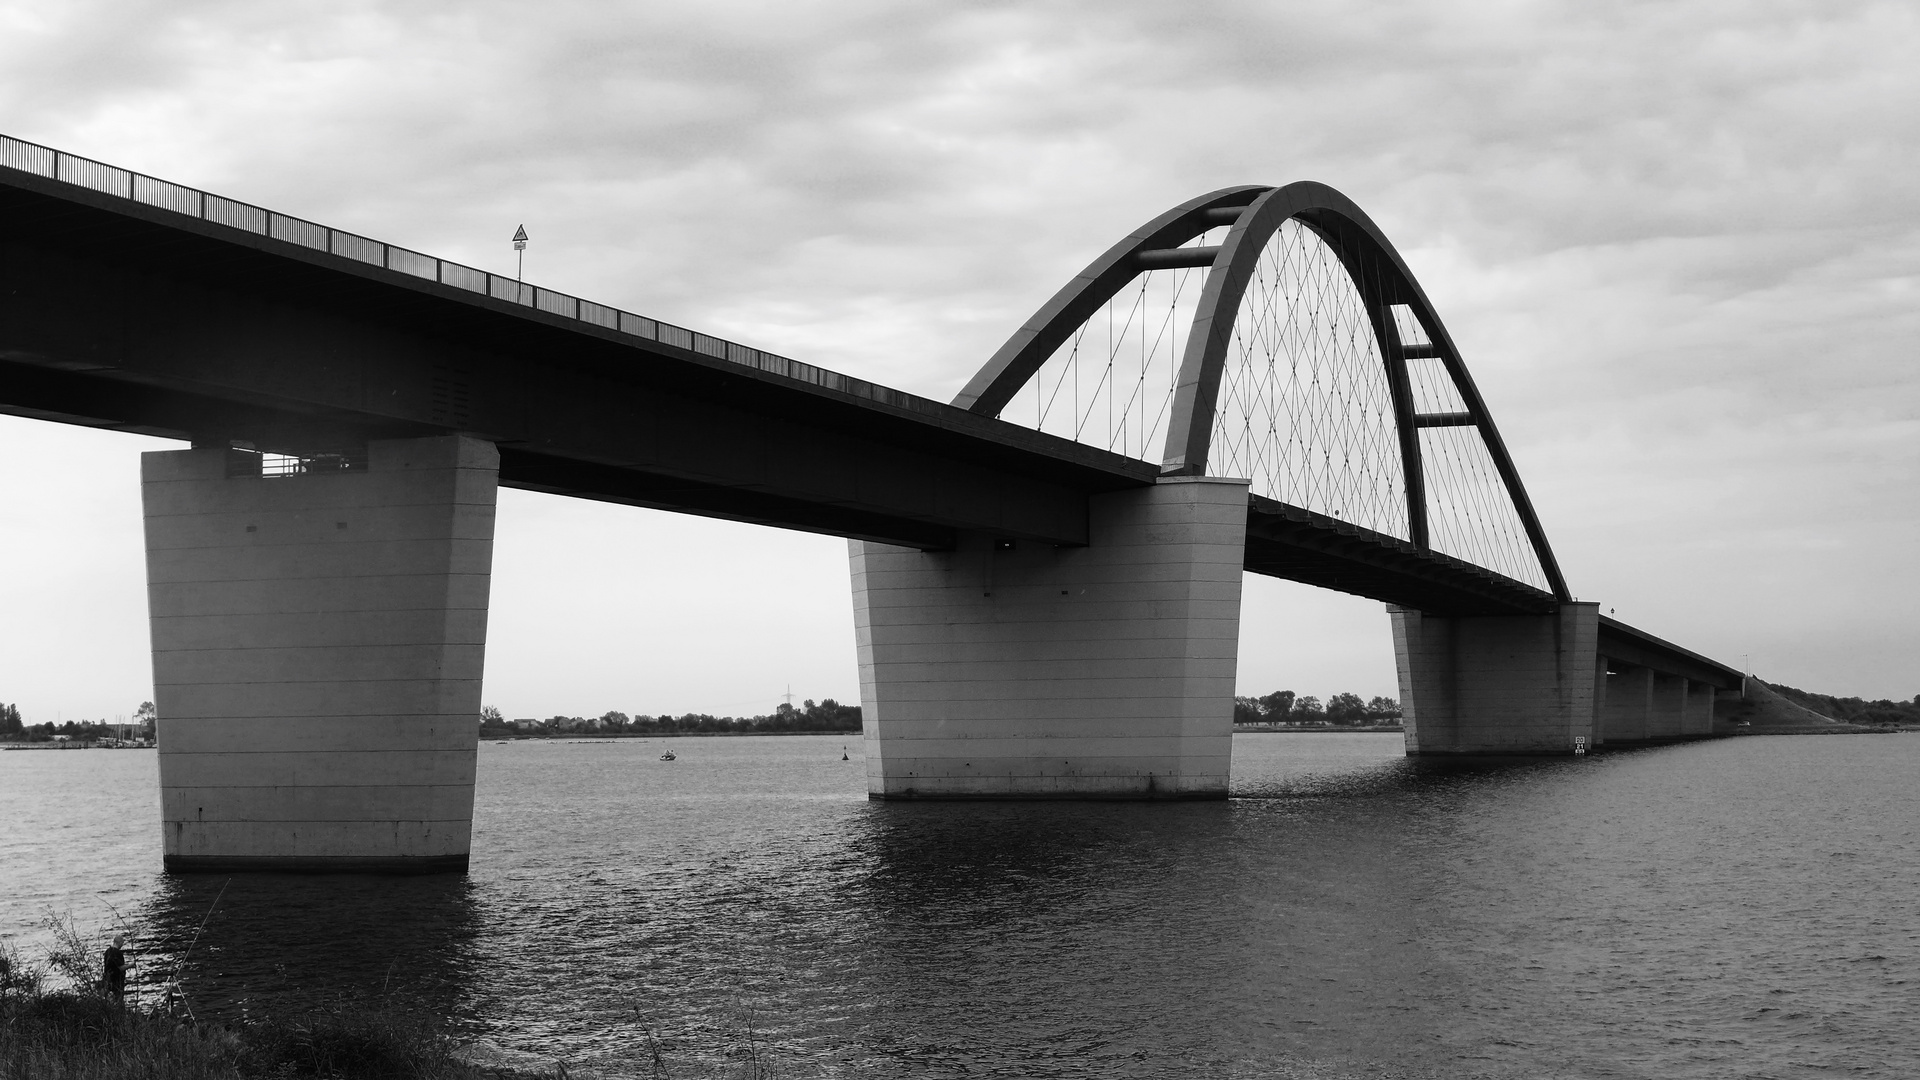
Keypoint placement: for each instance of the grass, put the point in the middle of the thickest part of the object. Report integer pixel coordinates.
(62, 1035)
(76, 1031)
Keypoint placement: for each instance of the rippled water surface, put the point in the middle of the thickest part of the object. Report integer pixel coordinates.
(1734, 908)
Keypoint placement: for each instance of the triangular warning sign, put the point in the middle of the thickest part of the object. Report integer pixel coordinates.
(520, 234)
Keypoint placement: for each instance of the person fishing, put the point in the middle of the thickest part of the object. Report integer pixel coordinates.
(116, 969)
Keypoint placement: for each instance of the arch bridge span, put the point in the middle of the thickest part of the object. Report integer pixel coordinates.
(1046, 571)
(1275, 334)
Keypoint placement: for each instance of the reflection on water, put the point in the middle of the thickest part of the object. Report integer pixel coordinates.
(1722, 909)
(258, 943)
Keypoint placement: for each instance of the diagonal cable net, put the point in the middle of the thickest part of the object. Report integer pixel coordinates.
(1470, 514)
(1111, 384)
(1305, 410)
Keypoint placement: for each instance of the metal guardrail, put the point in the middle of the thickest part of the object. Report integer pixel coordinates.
(57, 165)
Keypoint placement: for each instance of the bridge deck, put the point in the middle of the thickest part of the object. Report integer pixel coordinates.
(135, 317)
(138, 305)
(1631, 645)
(1299, 545)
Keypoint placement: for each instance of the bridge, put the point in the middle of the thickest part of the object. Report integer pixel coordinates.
(1046, 571)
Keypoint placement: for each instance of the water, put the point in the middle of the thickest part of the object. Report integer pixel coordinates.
(1734, 908)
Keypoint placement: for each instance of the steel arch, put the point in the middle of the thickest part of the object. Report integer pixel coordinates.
(1253, 213)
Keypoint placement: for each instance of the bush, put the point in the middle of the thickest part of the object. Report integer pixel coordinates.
(78, 1032)
(356, 1043)
(68, 1036)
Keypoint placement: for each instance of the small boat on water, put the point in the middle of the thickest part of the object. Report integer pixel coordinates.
(668, 756)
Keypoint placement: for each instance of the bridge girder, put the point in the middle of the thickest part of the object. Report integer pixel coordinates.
(124, 316)
(128, 315)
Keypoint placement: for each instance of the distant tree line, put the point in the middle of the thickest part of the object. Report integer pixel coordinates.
(1340, 710)
(13, 729)
(826, 715)
(1854, 710)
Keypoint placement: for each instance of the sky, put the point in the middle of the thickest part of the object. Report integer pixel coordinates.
(1677, 245)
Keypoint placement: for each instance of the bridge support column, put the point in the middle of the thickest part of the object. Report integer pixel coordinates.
(1506, 684)
(1629, 703)
(317, 649)
(1667, 721)
(1598, 738)
(1031, 671)
(1699, 719)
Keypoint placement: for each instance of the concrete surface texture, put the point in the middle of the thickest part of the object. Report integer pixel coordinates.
(1012, 669)
(1699, 719)
(1496, 684)
(1624, 716)
(1668, 718)
(1533, 684)
(318, 643)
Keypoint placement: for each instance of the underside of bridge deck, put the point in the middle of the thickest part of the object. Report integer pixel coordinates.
(118, 315)
(1299, 545)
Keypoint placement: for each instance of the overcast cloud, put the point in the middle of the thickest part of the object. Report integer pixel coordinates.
(1677, 244)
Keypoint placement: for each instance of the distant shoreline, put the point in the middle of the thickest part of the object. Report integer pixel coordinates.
(1238, 729)
(565, 735)
(68, 746)
(1283, 729)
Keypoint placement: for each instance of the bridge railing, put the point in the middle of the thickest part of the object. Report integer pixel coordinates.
(62, 167)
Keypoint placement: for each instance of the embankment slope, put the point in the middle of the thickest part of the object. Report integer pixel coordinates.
(1767, 713)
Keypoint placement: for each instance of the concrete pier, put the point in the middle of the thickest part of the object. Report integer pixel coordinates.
(1507, 684)
(1597, 737)
(1667, 720)
(1629, 704)
(1009, 669)
(318, 641)
(1699, 719)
